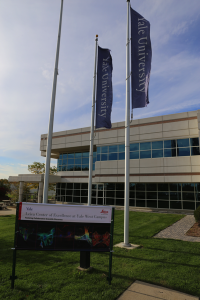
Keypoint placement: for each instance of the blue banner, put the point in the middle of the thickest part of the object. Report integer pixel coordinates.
(104, 96)
(140, 59)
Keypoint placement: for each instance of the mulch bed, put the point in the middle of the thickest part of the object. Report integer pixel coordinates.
(194, 230)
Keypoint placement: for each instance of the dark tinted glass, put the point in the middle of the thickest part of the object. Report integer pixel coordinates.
(70, 155)
(188, 187)
(110, 194)
(145, 154)
(78, 155)
(151, 186)
(94, 186)
(157, 153)
(175, 196)
(113, 148)
(63, 192)
(170, 144)
(119, 186)
(77, 160)
(194, 141)
(120, 202)
(140, 195)
(93, 200)
(197, 187)
(68, 198)
(64, 156)
(113, 156)
(121, 156)
(151, 195)
(104, 157)
(93, 167)
(134, 147)
(93, 193)
(104, 149)
(189, 205)
(132, 186)
(134, 155)
(76, 192)
(85, 154)
(183, 143)
(195, 151)
(64, 168)
(140, 203)
(98, 157)
(85, 160)
(64, 162)
(132, 202)
(157, 145)
(140, 186)
(119, 194)
(132, 194)
(183, 151)
(84, 192)
(69, 192)
(152, 203)
(70, 161)
(109, 186)
(63, 185)
(145, 146)
(77, 186)
(94, 154)
(85, 167)
(175, 204)
(77, 167)
(163, 195)
(162, 186)
(188, 196)
(163, 204)
(69, 185)
(84, 186)
(169, 152)
(110, 201)
(175, 187)
(84, 199)
(98, 150)
(121, 148)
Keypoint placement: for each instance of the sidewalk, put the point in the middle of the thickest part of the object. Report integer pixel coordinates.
(8, 211)
(144, 291)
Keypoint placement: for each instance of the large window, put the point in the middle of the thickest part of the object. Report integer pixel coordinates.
(152, 195)
(167, 148)
(75, 161)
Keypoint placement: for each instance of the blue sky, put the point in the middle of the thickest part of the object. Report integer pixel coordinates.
(28, 34)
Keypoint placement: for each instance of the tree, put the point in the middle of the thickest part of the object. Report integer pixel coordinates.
(4, 189)
(39, 168)
(13, 194)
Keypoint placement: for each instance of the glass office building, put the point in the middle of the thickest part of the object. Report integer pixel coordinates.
(164, 163)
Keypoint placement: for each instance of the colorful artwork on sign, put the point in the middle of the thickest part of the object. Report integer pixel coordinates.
(63, 236)
(46, 239)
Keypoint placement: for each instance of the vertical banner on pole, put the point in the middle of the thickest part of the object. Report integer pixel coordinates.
(104, 97)
(141, 55)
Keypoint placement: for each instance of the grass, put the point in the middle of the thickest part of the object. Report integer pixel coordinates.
(53, 275)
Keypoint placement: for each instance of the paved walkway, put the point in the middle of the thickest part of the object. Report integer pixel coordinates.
(177, 230)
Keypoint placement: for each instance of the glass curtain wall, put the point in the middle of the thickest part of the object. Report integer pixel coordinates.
(167, 148)
(152, 195)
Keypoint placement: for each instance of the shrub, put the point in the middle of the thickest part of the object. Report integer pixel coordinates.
(197, 214)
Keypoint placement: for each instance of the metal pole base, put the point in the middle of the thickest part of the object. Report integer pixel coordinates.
(84, 259)
(126, 245)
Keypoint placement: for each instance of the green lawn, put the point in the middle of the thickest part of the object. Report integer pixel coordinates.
(53, 275)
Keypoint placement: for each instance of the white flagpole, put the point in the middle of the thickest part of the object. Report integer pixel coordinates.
(127, 137)
(92, 126)
(51, 117)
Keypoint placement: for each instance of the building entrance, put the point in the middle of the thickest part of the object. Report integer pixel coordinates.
(100, 194)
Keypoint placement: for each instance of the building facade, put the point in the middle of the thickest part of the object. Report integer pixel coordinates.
(164, 163)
